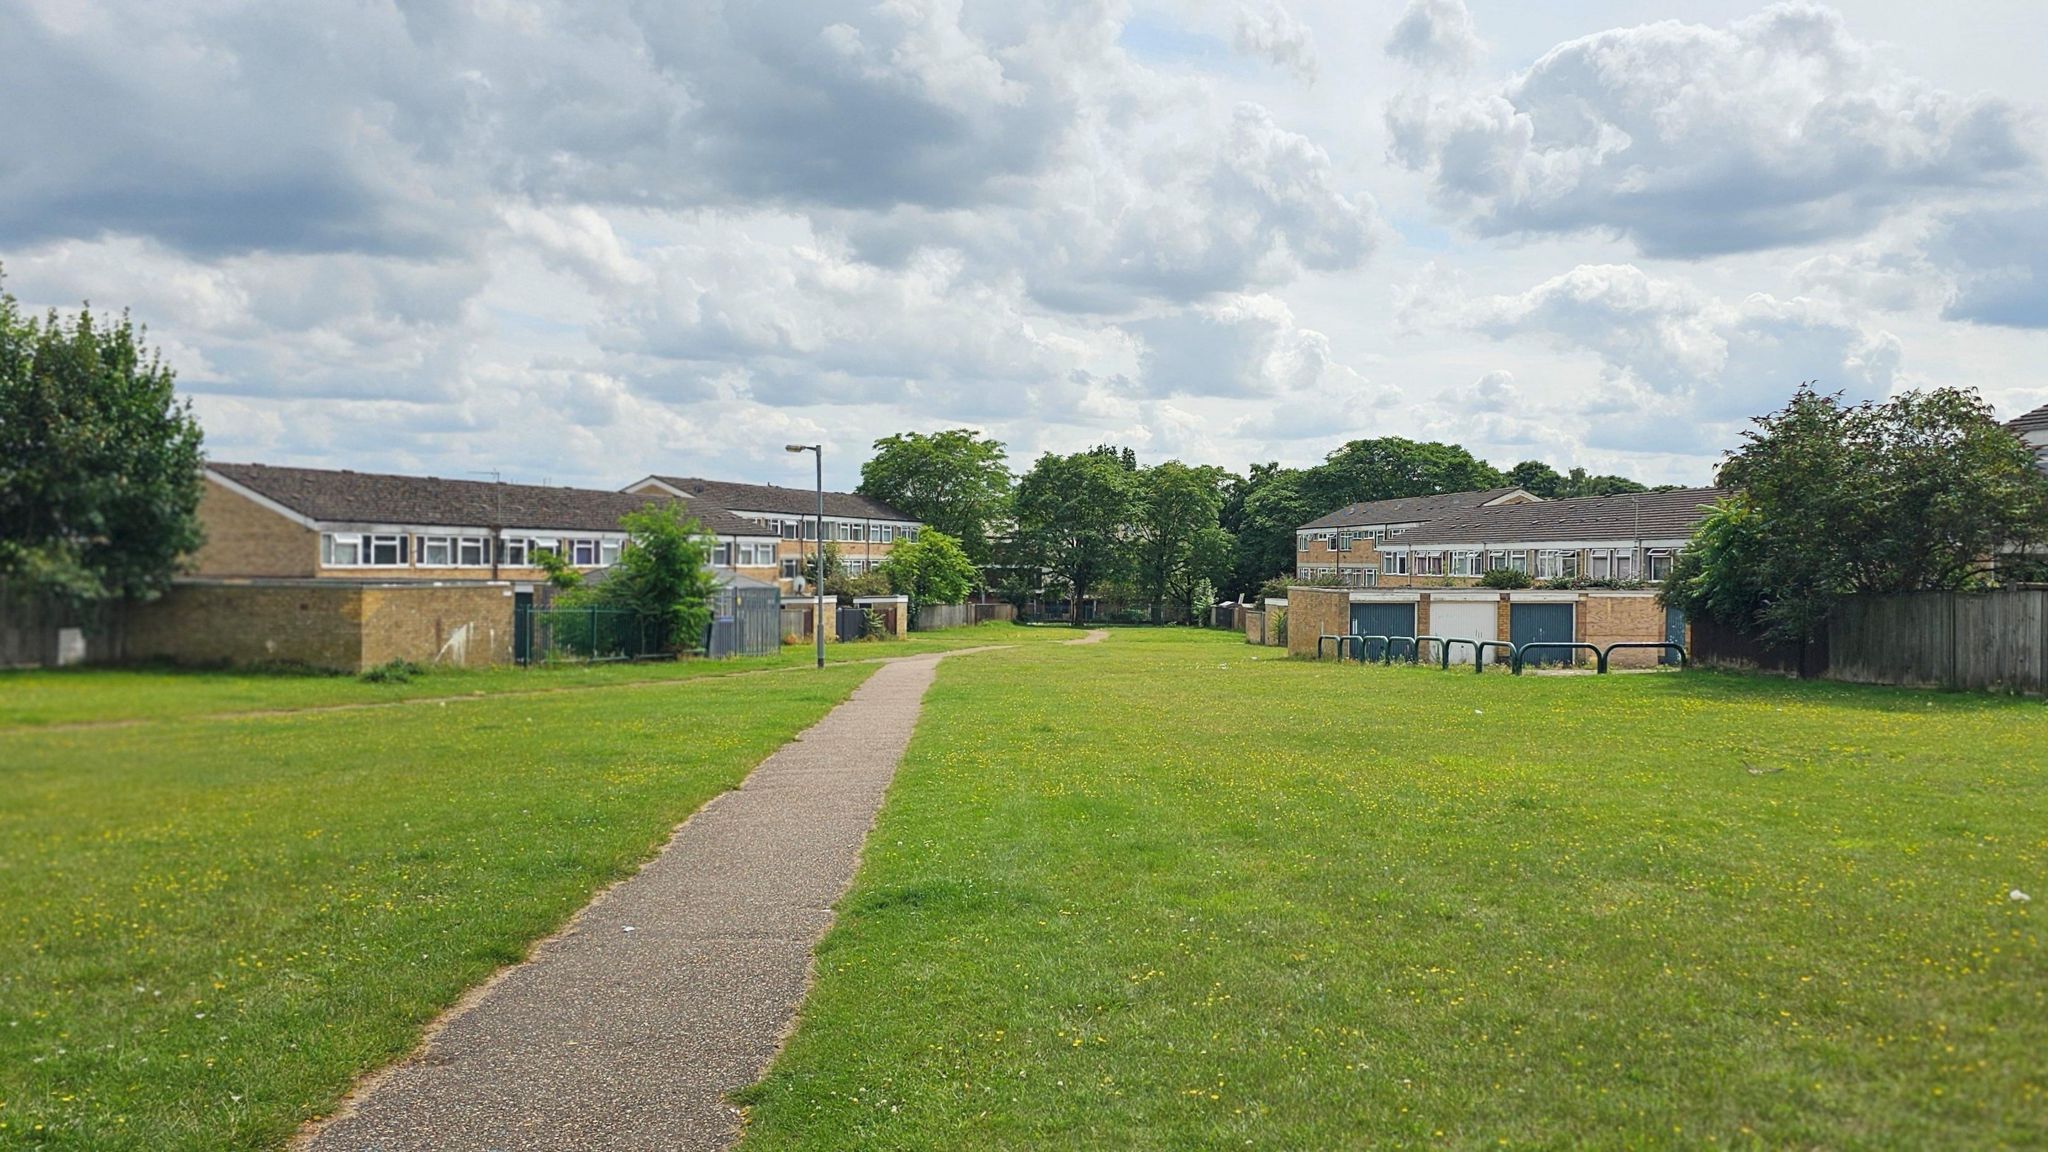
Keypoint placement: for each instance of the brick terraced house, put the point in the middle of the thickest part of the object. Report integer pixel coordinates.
(268, 521)
(1346, 544)
(865, 529)
(2032, 428)
(1622, 537)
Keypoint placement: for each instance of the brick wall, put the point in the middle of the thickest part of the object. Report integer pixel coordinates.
(243, 538)
(1615, 617)
(300, 623)
(463, 625)
(323, 624)
(1313, 612)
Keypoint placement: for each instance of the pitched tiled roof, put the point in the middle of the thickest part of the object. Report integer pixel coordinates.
(1667, 515)
(1406, 509)
(775, 498)
(2035, 421)
(341, 496)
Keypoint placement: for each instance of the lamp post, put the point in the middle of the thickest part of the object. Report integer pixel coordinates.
(818, 624)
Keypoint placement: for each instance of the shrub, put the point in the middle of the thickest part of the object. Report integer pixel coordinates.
(1504, 578)
(393, 672)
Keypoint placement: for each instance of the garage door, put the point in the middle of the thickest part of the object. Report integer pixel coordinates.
(1465, 620)
(1383, 620)
(1530, 623)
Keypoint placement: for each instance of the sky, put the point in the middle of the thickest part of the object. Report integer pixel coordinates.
(582, 242)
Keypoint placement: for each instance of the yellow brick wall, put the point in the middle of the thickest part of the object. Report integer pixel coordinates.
(250, 624)
(1613, 619)
(243, 538)
(456, 625)
(1313, 612)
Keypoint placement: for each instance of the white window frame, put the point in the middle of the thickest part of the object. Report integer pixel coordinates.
(791, 568)
(1600, 564)
(582, 553)
(1465, 563)
(1394, 563)
(1427, 563)
(1657, 565)
(444, 544)
(886, 533)
(608, 552)
(330, 541)
(397, 541)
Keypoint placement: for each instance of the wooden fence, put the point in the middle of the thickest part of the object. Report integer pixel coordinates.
(1968, 641)
(1972, 641)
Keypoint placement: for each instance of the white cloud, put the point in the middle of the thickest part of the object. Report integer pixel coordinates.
(1779, 129)
(1240, 346)
(1999, 260)
(1271, 33)
(1436, 35)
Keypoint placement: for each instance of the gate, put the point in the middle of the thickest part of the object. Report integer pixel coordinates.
(745, 621)
(1674, 633)
(1542, 623)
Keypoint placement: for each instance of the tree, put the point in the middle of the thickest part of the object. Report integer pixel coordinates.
(1073, 515)
(1540, 479)
(664, 573)
(1177, 507)
(1536, 478)
(1391, 467)
(99, 461)
(932, 569)
(954, 481)
(1919, 493)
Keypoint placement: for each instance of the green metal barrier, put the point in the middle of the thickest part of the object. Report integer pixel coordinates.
(1484, 646)
(1444, 650)
(1662, 645)
(1365, 646)
(1340, 638)
(1414, 649)
(1420, 641)
(1556, 645)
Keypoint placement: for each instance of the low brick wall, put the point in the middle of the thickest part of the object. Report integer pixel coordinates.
(322, 624)
(1616, 617)
(1314, 612)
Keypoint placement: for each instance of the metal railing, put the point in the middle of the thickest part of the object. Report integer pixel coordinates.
(1522, 653)
(1340, 638)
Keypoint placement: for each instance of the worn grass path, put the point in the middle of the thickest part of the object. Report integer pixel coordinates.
(673, 989)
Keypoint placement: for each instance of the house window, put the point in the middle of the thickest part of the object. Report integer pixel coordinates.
(858, 533)
(810, 530)
(1515, 561)
(1427, 563)
(789, 568)
(384, 551)
(583, 553)
(885, 533)
(471, 550)
(1624, 565)
(341, 551)
(909, 533)
(1657, 565)
(1395, 563)
(791, 529)
(436, 551)
(514, 551)
(1464, 563)
(1600, 565)
(721, 556)
(608, 552)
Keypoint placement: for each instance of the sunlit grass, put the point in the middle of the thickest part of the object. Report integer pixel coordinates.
(1172, 892)
(210, 927)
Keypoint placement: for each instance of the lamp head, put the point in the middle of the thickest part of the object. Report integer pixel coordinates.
(799, 448)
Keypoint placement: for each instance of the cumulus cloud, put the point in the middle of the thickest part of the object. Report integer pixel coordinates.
(1998, 259)
(1242, 346)
(1269, 32)
(1436, 35)
(1779, 129)
(1671, 351)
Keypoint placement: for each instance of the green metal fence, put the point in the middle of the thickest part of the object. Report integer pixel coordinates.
(587, 636)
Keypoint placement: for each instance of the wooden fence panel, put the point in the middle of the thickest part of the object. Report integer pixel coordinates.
(1976, 641)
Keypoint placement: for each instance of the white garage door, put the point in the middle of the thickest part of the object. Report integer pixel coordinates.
(1464, 620)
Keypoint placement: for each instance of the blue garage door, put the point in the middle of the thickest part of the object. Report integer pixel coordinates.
(1383, 620)
(1529, 623)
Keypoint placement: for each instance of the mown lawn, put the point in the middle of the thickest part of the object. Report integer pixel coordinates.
(210, 927)
(1165, 893)
(105, 695)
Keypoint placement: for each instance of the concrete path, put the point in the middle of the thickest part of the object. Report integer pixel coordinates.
(674, 987)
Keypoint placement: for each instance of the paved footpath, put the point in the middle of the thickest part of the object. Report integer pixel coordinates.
(674, 987)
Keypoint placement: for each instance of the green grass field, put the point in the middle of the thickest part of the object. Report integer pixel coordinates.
(210, 927)
(1163, 892)
(1172, 892)
(109, 695)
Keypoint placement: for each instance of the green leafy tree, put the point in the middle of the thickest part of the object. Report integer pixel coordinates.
(100, 462)
(835, 566)
(1390, 467)
(1177, 509)
(1922, 492)
(932, 569)
(1540, 479)
(954, 481)
(664, 573)
(1073, 519)
(1269, 505)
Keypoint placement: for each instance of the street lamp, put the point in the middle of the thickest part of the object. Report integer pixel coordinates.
(819, 623)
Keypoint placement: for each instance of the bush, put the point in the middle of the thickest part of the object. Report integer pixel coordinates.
(1505, 578)
(1585, 583)
(393, 672)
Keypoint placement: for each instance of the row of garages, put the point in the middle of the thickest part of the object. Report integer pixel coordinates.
(1523, 617)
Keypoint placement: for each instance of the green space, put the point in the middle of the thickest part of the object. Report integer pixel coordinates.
(1174, 892)
(96, 695)
(210, 927)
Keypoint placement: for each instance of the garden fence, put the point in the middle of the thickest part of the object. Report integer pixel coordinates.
(587, 636)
